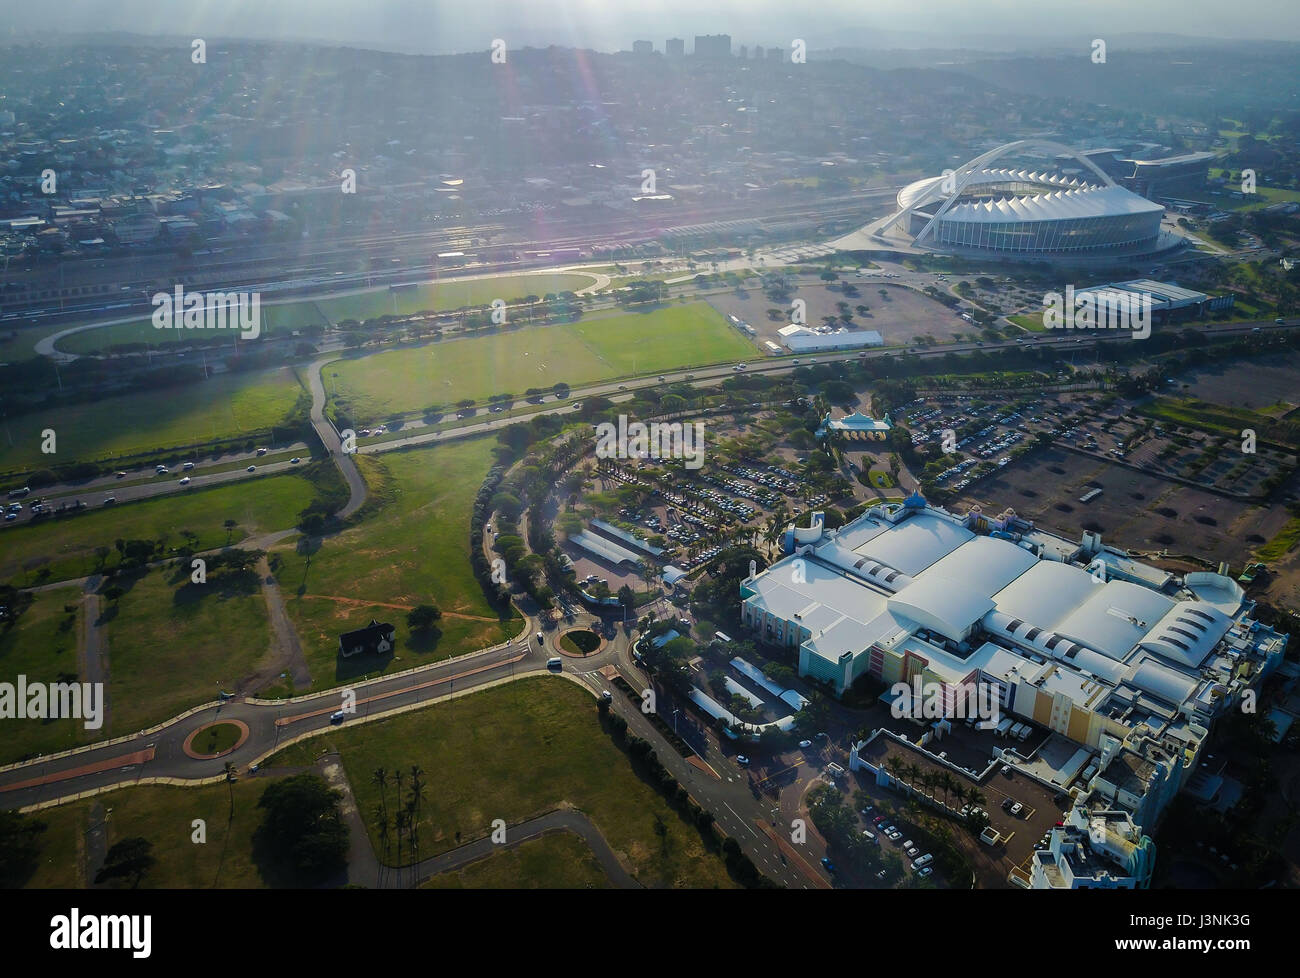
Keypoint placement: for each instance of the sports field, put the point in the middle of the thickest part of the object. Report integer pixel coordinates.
(409, 380)
(225, 406)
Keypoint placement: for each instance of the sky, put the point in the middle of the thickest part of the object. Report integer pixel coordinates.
(446, 26)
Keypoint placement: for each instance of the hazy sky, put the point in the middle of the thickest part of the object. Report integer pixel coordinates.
(443, 26)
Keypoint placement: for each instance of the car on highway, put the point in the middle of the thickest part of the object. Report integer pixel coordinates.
(185, 481)
(337, 716)
(262, 451)
(109, 500)
(826, 862)
(662, 378)
(295, 460)
(120, 475)
(187, 466)
(251, 468)
(160, 470)
(10, 517)
(622, 387)
(742, 760)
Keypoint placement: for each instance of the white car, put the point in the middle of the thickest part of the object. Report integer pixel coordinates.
(805, 744)
(187, 466)
(185, 481)
(742, 760)
(295, 460)
(251, 468)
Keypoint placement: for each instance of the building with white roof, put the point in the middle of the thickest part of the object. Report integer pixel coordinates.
(1037, 209)
(1133, 670)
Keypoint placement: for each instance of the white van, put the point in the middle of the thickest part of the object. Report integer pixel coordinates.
(555, 662)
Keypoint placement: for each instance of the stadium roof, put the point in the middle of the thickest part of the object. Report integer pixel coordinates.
(1060, 205)
(994, 563)
(1046, 593)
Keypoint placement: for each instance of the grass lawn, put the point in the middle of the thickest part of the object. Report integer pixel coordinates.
(163, 815)
(514, 752)
(42, 645)
(601, 348)
(557, 861)
(412, 548)
(216, 633)
(64, 548)
(275, 319)
(225, 406)
(1030, 321)
(449, 294)
(1281, 544)
(216, 739)
(1220, 419)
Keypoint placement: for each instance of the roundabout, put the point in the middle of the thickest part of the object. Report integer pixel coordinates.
(216, 739)
(579, 643)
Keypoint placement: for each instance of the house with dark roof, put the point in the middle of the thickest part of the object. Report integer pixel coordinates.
(377, 637)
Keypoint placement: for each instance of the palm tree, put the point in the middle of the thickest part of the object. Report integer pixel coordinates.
(230, 783)
(381, 817)
(380, 777)
(961, 793)
(975, 797)
(399, 820)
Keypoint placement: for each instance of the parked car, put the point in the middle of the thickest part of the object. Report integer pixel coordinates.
(742, 760)
(1016, 809)
(805, 744)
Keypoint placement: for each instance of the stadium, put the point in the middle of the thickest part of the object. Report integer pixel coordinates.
(1068, 206)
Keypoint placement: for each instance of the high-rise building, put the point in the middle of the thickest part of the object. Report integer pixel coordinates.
(643, 47)
(713, 45)
(743, 53)
(776, 54)
(674, 47)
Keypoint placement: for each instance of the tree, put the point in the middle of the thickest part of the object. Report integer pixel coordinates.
(129, 858)
(421, 618)
(229, 527)
(114, 592)
(627, 598)
(304, 827)
(20, 848)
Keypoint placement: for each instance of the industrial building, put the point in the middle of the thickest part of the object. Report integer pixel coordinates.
(798, 338)
(1127, 665)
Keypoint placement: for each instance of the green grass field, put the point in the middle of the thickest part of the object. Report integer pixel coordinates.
(470, 750)
(409, 380)
(60, 549)
(1282, 543)
(216, 634)
(164, 815)
(449, 294)
(42, 645)
(226, 406)
(275, 320)
(413, 549)
(557, 861)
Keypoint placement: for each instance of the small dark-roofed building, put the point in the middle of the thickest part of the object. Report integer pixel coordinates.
(377, 637)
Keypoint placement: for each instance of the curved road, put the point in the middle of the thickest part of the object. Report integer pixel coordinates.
(333, 444)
